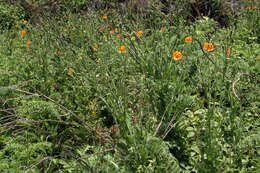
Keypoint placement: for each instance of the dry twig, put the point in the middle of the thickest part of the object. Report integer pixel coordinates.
(235, 83)
(106, 138)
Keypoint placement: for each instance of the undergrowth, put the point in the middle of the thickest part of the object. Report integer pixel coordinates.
(130, 90)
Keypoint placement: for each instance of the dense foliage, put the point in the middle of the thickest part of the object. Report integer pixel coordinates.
(129, 86)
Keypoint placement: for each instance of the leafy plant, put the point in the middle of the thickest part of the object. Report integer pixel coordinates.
(10, 15)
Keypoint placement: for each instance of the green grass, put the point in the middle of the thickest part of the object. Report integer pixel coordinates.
(90, 108)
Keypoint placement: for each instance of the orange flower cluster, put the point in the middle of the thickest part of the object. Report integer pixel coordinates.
(122, 49)
(188, 39)
(208, 46)
(70, 72)
(176, 55)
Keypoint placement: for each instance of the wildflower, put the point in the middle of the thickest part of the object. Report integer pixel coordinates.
(118, 36)
(249, 8)
(255, 8)
(176, 55)
(132, 38)
(29, 43)
(104, 17)
(23, 33)
(208, 46)
(95, 48)
(140, 33)
(111, 32)
(188, 39)
(58, 53)
(122, 49)
(69, 17)
(162, 29)
(70, 72)
(228, 52)
(116, 30)
(144, 76)
(25, 22)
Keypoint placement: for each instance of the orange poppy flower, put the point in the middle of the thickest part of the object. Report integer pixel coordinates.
(104, 17)
(25, 22)
(29, 43)
(176, 55)
(111, 32)
(70, 72)
(69, 17)
(228, 52)
(118, 36)
(208, 46)
(122, 49)
(249, 8)
(255, 8)
(144, 76)
(23, 33)
(188, 39)
(95, 48)
(58, 53)
(162, 29)
(116, 29)
(140, 33)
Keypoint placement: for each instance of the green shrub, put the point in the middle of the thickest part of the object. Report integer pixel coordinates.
(10, 15)
(17, 155)
(76, 5)
(39, 110)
